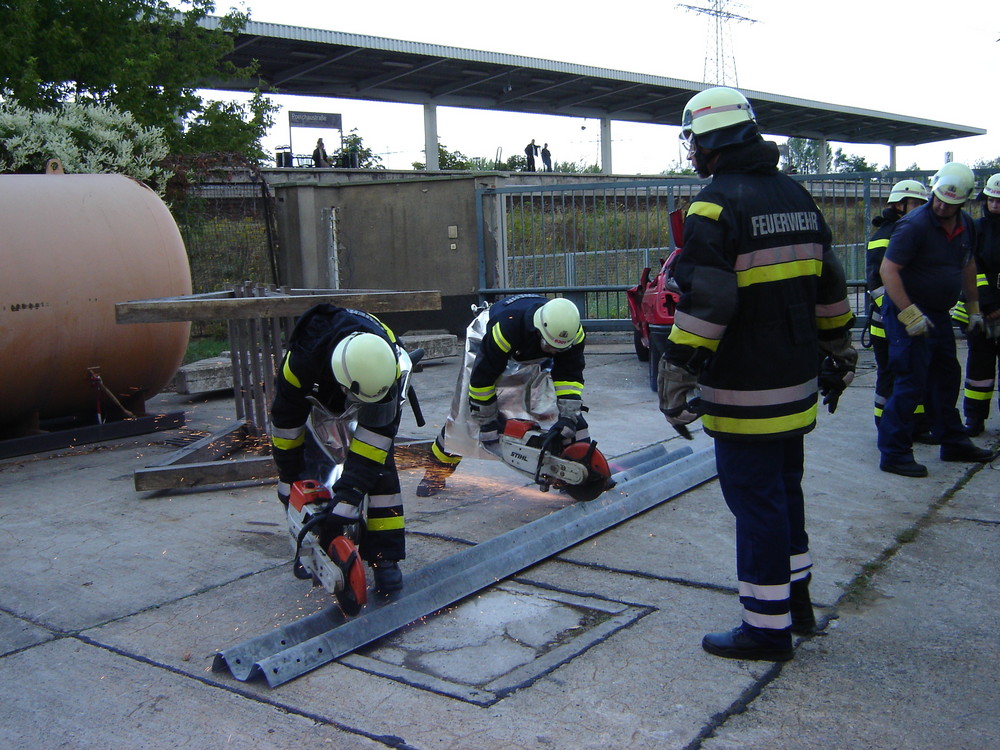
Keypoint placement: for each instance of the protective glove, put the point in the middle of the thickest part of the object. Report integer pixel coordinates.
(345, 510)
(568, 422)
(675, 386)
(284, 492)
(917, 324)
(487, 416)
(976, 322)
(836, 370)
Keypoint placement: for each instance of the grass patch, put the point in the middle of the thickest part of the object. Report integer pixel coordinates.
(204, 347)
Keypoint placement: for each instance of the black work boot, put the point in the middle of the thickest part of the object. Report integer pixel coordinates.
(434, 479)
(739, 643)
(803, 617)
(974, 427)
(388, 576)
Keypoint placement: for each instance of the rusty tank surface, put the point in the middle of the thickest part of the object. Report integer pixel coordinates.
(73, 246)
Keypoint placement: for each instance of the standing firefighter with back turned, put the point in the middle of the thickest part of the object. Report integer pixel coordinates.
(763, 303)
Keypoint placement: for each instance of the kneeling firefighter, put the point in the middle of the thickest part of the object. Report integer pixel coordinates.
(524, 359)
(334, 418)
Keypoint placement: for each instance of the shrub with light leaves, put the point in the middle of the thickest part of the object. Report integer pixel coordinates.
(86, 138)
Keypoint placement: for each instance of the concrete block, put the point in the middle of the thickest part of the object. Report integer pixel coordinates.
(436, 344)
(205, 375)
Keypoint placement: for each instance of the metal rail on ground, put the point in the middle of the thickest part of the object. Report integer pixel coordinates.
(293, 650)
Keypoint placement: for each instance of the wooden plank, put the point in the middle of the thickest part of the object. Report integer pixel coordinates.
(172, 310)
(256, 468)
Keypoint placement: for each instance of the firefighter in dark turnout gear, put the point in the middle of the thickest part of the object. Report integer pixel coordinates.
(984, 343)
(904, 196)
(342, 367)
(928, 264)
(529, 330)
(763, 311)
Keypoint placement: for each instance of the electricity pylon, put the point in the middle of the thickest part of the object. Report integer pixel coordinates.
(723, 63)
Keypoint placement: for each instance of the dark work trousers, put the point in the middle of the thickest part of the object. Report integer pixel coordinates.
(762, 485)
(980, 375)
(923, 367)
(884, 378)
(382, 534)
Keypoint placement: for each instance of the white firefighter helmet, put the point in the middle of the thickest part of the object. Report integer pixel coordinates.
(953, 183)
(992, 189)
(718, 109)
(907, 189)
(365, 365)
(558, 321)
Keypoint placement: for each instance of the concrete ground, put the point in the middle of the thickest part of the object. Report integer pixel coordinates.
(113, 604)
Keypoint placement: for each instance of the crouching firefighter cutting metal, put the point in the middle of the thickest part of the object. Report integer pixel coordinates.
(338, 399)
(519, 398)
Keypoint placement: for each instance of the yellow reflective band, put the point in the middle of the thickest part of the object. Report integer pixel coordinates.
(838, 321)
(874, 244)
(981, 279)
(779, 272)
(709, 210)
(679, 336)
(978, 395)
(878, 331)
(564, 387)
(919, 409)
(283, 444)
(878, 412)
(386, 524)
(289, 375)
(580, 335)
(768, 426)
(500, 340)
(443, 457)
(368, 451)
(484, 393)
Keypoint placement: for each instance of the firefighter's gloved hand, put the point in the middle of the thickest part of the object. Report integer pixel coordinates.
(833, 381)
(676, 387)
(568, 423)
(976, 322)
(284, 492)
(836, 369)
(487, 415)
(917, 324)
(991, 328)
(345, 510)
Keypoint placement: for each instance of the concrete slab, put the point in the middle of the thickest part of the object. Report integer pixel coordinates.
(118, 602)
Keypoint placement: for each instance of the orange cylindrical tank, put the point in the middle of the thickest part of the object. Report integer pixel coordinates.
(73, 246)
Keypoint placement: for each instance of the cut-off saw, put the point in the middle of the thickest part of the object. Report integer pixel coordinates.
(578, 469)
(337, 568)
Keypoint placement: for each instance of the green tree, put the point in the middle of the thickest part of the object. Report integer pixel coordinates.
(142, 56)
(987, 164)
(852, 163)
(354, 154)
(804, 157)
(448, 160)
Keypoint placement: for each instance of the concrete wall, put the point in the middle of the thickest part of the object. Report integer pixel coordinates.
(402, 235)
(402, 231)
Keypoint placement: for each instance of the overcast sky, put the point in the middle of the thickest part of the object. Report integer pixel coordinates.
(939, 62)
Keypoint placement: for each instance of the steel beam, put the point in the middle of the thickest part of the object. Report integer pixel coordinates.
(291, 651)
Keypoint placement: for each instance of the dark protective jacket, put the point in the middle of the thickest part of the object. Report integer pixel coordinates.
(760, 286)
(511, 334)
(874, 254)
(305, 371)
(988, 261)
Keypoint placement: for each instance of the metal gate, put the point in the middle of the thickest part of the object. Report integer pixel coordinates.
(590, 242)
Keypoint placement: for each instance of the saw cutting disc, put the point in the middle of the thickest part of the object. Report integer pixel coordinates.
(354, 593)
(598, 471)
